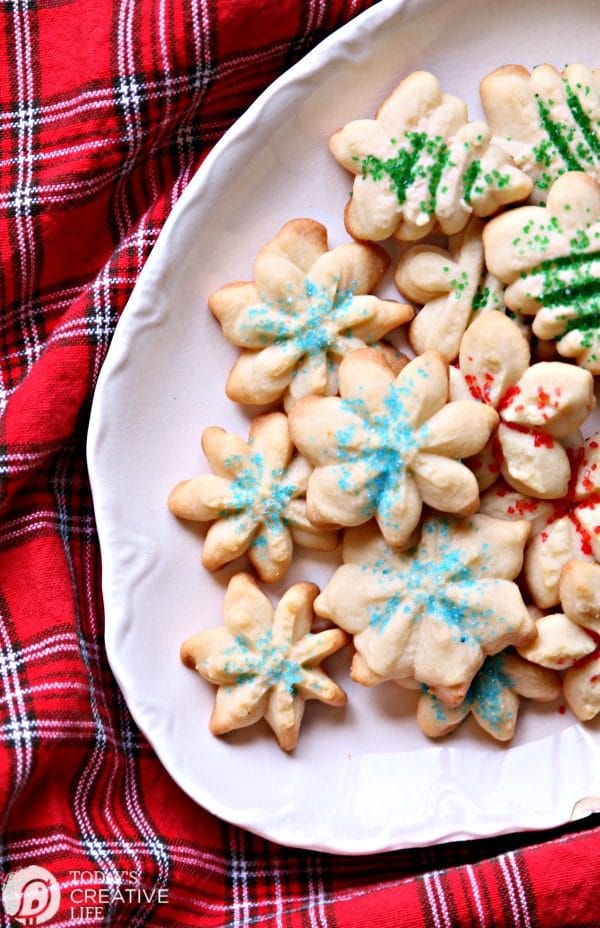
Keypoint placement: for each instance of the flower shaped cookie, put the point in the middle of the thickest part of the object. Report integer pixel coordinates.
(562, 530)
(433, 613)
(419, 162)
(537, 406)
(255, 499)
(389, 444)
(492, 699)
(547, 122)
(266, 663)
(307, 308)
(550, 260)
(452, 286)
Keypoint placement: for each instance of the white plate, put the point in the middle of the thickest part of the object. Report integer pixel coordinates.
(362, 779)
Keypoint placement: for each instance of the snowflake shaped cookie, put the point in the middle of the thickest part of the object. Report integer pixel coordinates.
(547, 122)
(255, 499)
(388, 444)
(561, 530)
(434, 613)
(420, 163)
(492, 698)
(550, 260)
(452, 287)
(265, 662)
(537, 406)
(307, 308)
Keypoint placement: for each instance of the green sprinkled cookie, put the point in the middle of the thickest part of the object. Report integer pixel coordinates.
(547, 121)
(421, 163)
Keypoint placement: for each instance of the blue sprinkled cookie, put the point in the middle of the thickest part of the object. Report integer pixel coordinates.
(255, 499)
(492, 698)
(389, 444)
(435, 612)
(265, 662)
(307, 308)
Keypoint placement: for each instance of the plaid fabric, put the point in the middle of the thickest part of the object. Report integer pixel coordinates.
(107, 107)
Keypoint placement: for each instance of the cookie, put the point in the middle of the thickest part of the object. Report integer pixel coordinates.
(492, 698)
(562, 530)
(549, 258)
(307, 308)
(389, 444)
(451, 286)
(420, 163)
(255, 499)
(571, 640)
(548, 122)
(538, 406)
(433, 613)
(265, 662)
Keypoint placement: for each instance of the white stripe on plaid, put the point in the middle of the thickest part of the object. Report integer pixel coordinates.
(512, 860)
(517, 921)
(476, 894)
(10, 666)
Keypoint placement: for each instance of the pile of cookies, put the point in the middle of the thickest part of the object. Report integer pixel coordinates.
(464, 496)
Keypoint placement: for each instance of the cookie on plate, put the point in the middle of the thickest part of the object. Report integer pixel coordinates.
(265, 662)
(420, 163)
(307, 308)
(255, 499)
(433, 613)
(452, 287)
(388, 444)
(561, 530)
(549, 258)
(571, 640)
(538, 406)
(547, 121)
(492, 698)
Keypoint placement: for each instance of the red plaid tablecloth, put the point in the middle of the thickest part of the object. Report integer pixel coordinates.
(106, 109)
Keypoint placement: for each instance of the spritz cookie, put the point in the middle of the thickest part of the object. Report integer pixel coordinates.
(451, 286)
(571, 640)
(435, 612)
(562, 530)
(389, 444)
(549, 258)
(307, 308)
(255, 499)
(492, 699)
(265, 662)
(420, 163)
(547, 121)
(538, 406)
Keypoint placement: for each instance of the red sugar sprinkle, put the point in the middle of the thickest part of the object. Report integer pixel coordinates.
(543, 398)
(562, 710)
(509, 397)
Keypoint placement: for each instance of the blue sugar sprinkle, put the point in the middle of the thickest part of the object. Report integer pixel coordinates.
(484, 694)
(426, 584)
(247, 494)
(263, 659)
(393, 444)
(302, 321)
(380, 618)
